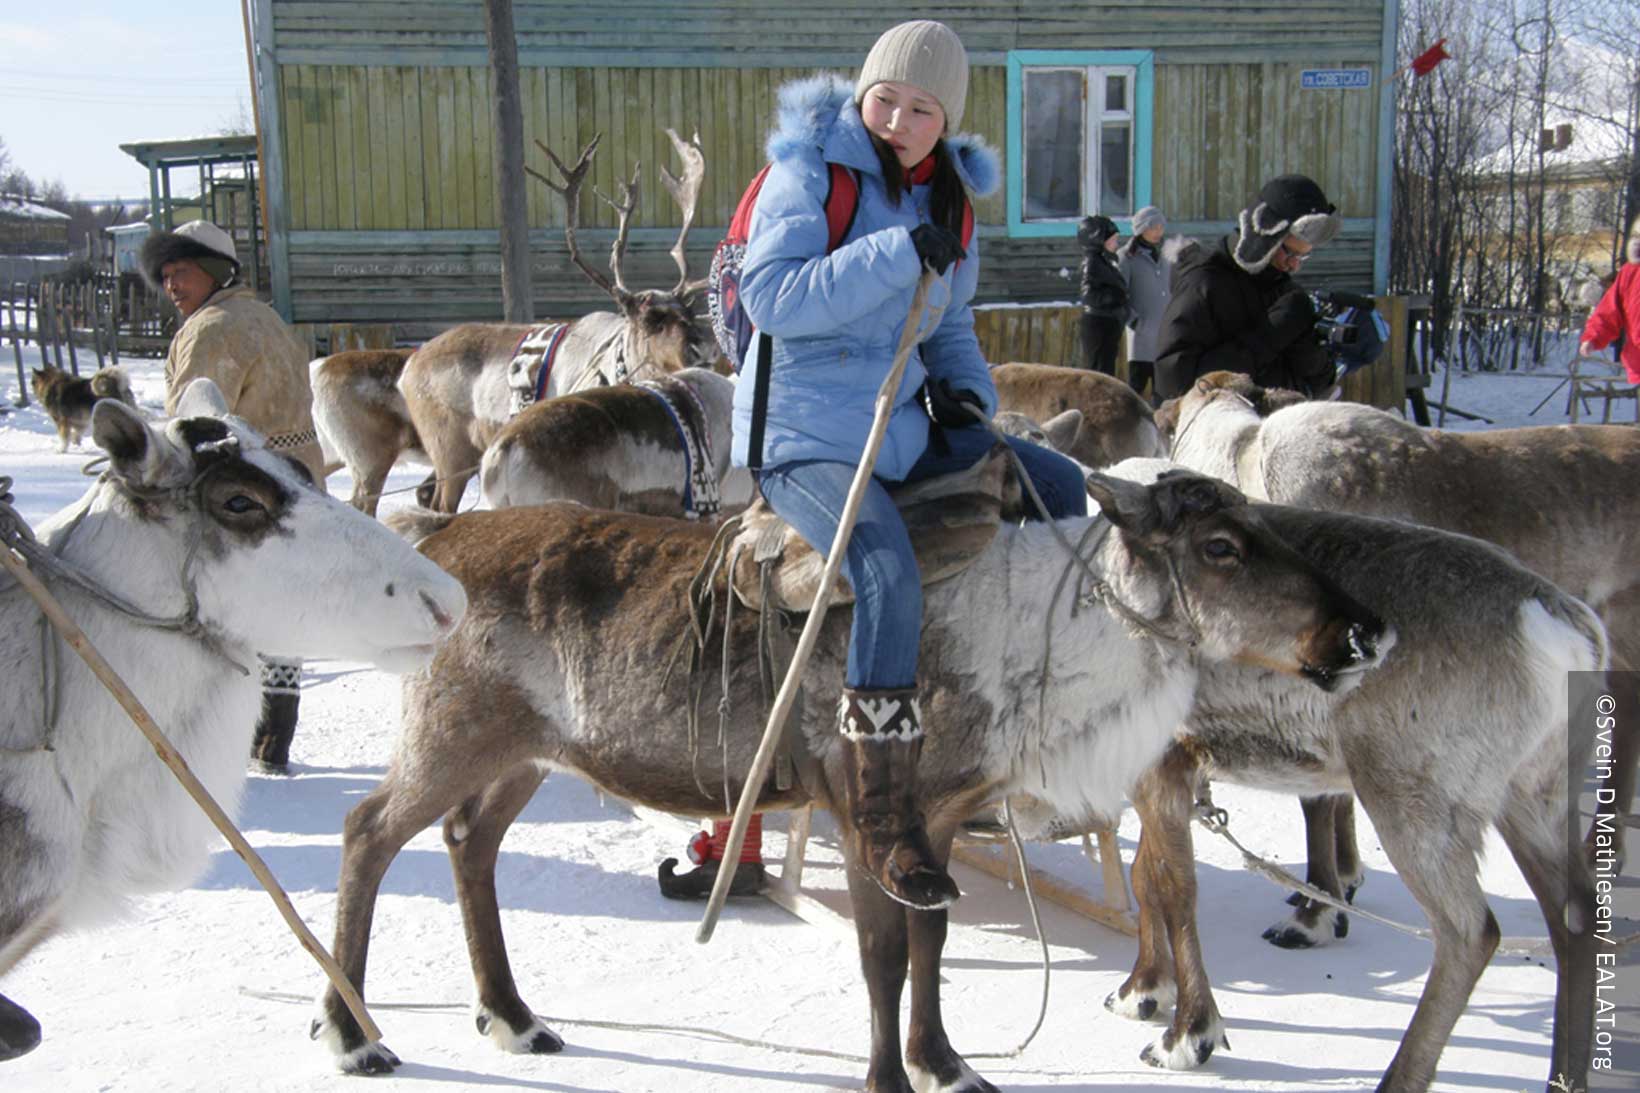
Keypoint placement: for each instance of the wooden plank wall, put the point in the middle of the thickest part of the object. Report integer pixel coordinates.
(740, 33)
(402, 148)
(385, 134)
(399, 148)
(1222, 129)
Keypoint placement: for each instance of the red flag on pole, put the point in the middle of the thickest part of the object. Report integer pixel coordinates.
(1425, 62)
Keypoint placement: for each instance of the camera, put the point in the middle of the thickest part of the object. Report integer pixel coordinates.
(1349, 329)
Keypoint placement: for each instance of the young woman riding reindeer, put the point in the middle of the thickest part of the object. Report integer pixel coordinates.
(802, 416)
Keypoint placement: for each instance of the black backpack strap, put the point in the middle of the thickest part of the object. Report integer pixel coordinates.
(760, 401)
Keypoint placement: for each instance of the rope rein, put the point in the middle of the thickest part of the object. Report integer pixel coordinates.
(1217, 820)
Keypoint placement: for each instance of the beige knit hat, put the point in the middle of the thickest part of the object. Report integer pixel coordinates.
(924, 54)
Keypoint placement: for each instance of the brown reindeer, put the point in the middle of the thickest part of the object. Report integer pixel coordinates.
(1561, 499)
(1463, 727)
(562, 663)
(464, 385)
(1116, 423)
(362, 419)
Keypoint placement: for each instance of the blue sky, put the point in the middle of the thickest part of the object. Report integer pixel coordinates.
(80, 77)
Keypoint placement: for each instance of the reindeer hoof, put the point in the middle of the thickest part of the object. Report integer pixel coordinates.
(534, 1039)
(19, 1031)
(960, 1078)
(370, 1059)
(1172, 1052)
(1141, 1005)
(1288, 936)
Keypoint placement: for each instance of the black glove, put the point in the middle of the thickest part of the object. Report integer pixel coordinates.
(1291, 318)
(946, 407)
(936, 247)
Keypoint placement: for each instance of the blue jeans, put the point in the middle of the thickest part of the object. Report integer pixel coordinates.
(879, 564)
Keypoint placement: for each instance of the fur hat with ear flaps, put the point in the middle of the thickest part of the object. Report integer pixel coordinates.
(1287, 205)
(199, 240)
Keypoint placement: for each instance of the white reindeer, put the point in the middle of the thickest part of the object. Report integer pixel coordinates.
(622, 448)
(206, 549)
(463, 386)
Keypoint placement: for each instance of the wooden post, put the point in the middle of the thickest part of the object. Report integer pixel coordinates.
(48, 321)
(507, 114)
(93, 298)
(65, 316)
(114, 320)
(17, 339)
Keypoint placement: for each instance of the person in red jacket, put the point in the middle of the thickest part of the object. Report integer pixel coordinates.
(1618, 314)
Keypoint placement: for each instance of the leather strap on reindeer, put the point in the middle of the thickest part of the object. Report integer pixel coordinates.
(531, 365)
(700, 483)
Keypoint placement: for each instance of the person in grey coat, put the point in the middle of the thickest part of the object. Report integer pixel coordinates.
(1148, 271)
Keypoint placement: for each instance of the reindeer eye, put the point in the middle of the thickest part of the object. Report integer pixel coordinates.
(1221, 549)
(239, 504)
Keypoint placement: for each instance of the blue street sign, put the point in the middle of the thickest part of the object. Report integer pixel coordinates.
(1335, 79)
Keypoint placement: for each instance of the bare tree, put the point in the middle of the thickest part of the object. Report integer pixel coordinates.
(1499, 199)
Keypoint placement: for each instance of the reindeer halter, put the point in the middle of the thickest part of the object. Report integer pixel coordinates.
(48, 563)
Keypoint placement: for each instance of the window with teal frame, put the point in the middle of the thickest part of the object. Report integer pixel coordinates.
(1079, 137)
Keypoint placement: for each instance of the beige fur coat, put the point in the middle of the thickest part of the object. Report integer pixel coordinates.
(242, 345)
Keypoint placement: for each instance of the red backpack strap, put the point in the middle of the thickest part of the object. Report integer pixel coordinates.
(740, 225)
(967, 223)
(842, 203)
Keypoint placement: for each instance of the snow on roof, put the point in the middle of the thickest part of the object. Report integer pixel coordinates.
(23, 209)
(1589, 91)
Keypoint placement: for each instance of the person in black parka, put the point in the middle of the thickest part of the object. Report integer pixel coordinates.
(1235, 305)
(1104, 294)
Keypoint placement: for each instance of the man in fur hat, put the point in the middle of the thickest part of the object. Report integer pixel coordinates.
(1235, 305)
(235, 340)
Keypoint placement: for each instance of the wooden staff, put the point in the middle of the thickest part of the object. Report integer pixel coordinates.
(76, 639)
(817, 614)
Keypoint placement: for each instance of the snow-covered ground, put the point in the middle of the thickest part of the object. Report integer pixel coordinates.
(206, 990)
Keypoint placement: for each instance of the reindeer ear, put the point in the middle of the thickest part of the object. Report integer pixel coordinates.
(1061, 429)
(1125, 504)
(1181, 492)
(136, 453)
(1268, 400)
(202, 398)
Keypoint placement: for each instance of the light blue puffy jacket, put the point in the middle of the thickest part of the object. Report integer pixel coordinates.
(836, 318)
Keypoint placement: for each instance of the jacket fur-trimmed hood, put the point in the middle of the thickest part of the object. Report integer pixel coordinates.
(1634, 240)
(819, 112)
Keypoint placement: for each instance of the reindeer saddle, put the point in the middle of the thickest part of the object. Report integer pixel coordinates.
(952, 519)
(531, 366)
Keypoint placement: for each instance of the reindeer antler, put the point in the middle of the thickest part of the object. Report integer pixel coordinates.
(686, 192)
(623, 212)
(571, 190)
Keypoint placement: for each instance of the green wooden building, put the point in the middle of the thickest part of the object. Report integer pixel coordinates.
(375, 129)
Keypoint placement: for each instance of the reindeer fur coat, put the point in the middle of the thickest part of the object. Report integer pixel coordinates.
(836, 318)
(241, 345)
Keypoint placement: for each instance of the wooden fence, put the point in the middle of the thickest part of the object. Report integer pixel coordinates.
(69, 316)
(1050, 334)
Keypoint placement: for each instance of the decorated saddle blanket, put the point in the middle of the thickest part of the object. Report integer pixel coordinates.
(531, 367)
(700, 480)
(951, 519)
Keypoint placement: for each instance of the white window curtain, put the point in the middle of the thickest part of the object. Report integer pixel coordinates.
(1078, 141)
